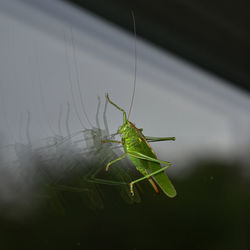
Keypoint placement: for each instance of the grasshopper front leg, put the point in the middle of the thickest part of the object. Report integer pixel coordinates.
(118, 159)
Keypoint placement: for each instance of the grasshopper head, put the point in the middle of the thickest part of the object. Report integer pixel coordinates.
(124, 128)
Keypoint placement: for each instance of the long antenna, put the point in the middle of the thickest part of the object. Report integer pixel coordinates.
(135, 68)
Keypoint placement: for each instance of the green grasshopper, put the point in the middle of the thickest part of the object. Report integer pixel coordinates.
(136, 146)
(141, 154)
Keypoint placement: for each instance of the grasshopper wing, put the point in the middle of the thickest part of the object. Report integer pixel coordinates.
(162, 179)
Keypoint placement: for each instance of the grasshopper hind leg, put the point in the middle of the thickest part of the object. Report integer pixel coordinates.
(148, 176)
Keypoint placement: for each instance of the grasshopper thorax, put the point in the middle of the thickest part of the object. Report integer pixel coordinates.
(127, 130)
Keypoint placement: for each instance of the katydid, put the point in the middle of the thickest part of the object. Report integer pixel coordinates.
(136, 146)
(98, 153)
(141, 154)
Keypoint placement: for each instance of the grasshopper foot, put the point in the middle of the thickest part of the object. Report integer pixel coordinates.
(131, 188)
(107, 167)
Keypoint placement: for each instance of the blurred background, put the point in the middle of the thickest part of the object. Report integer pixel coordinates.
(57, 61)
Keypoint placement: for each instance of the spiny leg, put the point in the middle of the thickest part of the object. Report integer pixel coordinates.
(148, 158)
(145, 177)
(102, 181)
(116, 160)
(107, 96)
(108, 182)
(120, 158)
(124, 113)
(112, 141)
(92, 178)
(154, 139)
